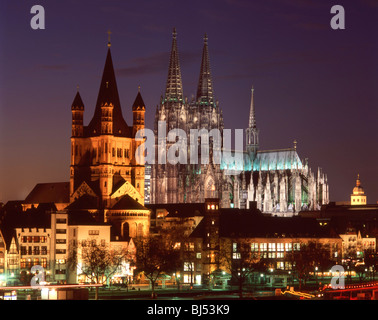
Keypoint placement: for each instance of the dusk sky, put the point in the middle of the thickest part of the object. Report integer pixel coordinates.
(312, 84)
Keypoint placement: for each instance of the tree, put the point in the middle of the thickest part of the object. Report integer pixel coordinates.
(178, 236)
(154, 257)
(371, 261)
(237, 256)
(309, 256)
(97, 262)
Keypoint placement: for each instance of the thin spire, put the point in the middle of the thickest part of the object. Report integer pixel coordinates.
(252, 118)
(205, 93)
(173, 90)
(109, 42)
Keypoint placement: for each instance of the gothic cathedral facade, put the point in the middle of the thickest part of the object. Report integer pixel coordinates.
(277, 181)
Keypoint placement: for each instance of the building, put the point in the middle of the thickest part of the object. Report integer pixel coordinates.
(212, 240)
(104, 167)
(104, 197)
(171, 183)
(278, 180)
(46, 237)
(358, 196)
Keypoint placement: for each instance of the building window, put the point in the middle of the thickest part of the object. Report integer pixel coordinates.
(272, 247)
(188, 266)
(93, 232)
(263, 246)
(236, 255)
(254, 247)
(61, 231)
(44, 262)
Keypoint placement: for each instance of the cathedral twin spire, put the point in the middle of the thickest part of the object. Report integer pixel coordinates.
(205, 94)
(174, 90)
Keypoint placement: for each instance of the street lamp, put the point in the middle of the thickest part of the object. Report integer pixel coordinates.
(316, 276)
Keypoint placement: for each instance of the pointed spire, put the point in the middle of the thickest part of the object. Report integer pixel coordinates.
(77, 103)
(138, 103)
(108, 93)
(205, 94)
(252, 133)
(109, 42)
(173, 91)
(252, 118)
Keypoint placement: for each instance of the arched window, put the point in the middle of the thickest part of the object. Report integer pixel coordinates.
(126, 230)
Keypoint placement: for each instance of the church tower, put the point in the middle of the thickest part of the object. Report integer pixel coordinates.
(102, 154)
(252, 133)
(172, 113)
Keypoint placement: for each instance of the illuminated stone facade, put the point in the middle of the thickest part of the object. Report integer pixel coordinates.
(103, 163)
(358, 196)
(277, 180)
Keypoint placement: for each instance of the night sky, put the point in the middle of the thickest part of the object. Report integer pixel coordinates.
(313, 84)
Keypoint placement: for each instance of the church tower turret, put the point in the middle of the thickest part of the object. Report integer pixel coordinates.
(139, 110)
(77, 110)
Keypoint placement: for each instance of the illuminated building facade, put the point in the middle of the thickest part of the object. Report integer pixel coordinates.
(190, 183)
(278, 180)
(358, 196)
(103, 167)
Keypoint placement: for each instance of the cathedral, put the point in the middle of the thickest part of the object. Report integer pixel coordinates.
(276, 181)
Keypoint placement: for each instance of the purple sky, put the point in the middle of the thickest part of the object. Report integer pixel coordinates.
(313, 84)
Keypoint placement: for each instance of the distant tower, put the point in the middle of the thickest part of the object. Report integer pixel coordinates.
(358, 196)
(252, 133)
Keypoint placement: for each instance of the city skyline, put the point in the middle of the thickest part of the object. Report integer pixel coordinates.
(312, 84)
